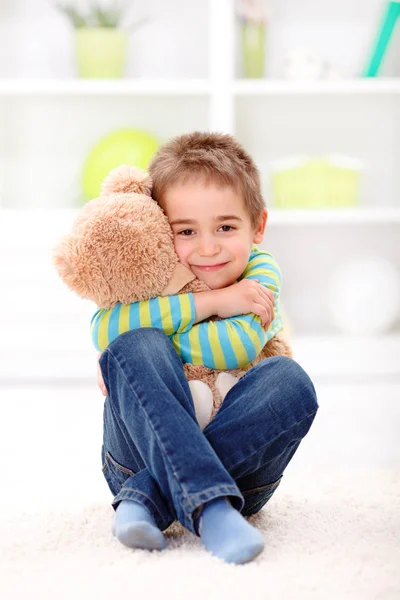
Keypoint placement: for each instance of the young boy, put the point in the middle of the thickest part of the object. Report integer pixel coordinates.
(156, 460)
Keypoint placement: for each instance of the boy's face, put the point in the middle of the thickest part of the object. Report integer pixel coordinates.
(212, 231)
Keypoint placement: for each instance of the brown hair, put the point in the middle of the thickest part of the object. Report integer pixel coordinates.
(212, 157)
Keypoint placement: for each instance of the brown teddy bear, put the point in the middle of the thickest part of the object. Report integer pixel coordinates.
(121, 250)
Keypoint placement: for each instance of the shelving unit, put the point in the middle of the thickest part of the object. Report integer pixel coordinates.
(49, 120)
(98, 87)
(351, 216)
(238, 87)
(389, 85)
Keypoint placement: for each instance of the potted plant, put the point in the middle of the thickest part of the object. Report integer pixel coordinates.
(101, 37)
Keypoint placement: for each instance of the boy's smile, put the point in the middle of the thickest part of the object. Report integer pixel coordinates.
(213, 233)
(210, 267)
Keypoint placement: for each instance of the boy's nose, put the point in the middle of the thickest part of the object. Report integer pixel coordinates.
(208, 248)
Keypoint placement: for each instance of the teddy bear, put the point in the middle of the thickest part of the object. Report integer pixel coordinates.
(121, 250)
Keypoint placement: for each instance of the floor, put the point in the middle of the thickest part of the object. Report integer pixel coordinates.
(50, 439)
(332, 531)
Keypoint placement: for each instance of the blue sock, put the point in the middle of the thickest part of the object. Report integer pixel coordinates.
(135, 527)
(226, 533)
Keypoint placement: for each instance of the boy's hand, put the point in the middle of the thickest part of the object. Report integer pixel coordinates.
(246, 296)
(100, 381)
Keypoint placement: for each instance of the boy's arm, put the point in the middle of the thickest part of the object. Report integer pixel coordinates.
(246, 297)
(176, 313)
(172, 314)
(236, 341)
(263, 267)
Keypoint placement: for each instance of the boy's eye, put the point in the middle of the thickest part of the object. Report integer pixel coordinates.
(227, 227)
(186, 232)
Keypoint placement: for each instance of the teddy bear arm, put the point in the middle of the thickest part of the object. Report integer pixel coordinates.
(277, 346)
(194, 286)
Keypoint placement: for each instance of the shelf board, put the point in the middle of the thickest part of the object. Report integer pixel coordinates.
(325, 216)
(108, 87)
(239, 87)
(370, 85)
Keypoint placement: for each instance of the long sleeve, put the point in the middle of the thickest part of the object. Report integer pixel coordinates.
(234, 342)
(172, 314)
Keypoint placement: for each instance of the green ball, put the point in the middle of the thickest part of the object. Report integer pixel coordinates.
(125, 146)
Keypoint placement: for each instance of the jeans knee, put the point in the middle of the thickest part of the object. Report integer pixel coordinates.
(139, 339)
(303, 386)
(139, 342)
(298, 383)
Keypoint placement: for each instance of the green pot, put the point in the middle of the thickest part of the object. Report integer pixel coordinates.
(101, 52)
(253, 49)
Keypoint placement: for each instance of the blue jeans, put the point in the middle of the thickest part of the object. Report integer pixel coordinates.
(155, 453)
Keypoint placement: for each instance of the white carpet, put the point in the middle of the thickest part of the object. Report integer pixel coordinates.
(327, 535)
(330, 534)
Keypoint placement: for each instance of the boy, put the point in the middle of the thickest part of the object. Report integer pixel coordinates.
(156, 460)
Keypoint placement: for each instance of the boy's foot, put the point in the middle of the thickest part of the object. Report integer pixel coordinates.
(226, 533)
(135, 527)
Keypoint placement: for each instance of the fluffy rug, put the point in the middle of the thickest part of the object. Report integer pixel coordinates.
(327, 535)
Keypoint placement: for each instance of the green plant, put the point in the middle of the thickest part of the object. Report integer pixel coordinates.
(252, 11)
(99, 14)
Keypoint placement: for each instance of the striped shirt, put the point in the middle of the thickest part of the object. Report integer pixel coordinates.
(225, 344)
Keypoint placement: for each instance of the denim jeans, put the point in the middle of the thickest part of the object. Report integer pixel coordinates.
(155, 453)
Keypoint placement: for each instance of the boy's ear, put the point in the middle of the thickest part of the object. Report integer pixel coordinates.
(259, 231)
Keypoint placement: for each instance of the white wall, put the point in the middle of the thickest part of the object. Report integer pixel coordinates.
(37, 40)
(45, 137)
(172, 44)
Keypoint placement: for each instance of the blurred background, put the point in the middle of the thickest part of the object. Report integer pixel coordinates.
(310, 88)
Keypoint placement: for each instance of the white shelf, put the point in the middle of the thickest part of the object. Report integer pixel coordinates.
(371, 85)
(352, 216)
(240, 87)
(108, 87)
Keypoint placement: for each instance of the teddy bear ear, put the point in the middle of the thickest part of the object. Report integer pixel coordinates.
(79, 269)
(127, 179)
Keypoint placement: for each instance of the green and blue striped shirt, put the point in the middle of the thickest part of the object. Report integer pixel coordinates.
(225, 344)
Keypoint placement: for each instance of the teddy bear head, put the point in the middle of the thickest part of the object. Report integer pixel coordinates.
(121, 245)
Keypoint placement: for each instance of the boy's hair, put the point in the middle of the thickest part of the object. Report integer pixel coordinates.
(213, 158)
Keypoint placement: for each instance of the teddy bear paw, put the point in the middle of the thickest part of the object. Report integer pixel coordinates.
(224, 382)
(203, 401)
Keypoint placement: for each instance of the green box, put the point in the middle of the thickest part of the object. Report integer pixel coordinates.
(317, 182)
